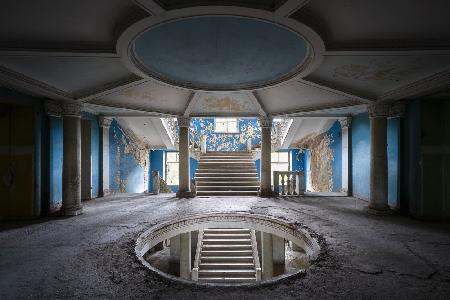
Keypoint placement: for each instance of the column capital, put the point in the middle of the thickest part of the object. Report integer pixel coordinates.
(104, 122)
(52, 108)
(72, 109)
(266, 122)
(397, 110)
(345, 123)
(378, 110)
(184, 121)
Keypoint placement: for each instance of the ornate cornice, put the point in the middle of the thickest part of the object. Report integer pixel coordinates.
(52, 108)
(104, 122)
(266, 122)
(397, 110)
(184, 121)
(345, 123)
(71, 109)
(378, 110)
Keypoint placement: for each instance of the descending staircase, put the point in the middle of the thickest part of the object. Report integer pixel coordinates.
(228, 256)
(226, 174)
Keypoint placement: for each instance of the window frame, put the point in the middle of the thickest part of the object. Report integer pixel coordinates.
(227, 132)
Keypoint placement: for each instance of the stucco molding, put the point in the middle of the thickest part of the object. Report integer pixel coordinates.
(125, 43)
(266, 122)
(379, 110)
(290, 7)
(184, 121)
(104, 122)
(71, 109)
(52, 108)
(345, 122)
(397, 110)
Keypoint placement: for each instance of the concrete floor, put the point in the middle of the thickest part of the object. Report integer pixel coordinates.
(92, 255)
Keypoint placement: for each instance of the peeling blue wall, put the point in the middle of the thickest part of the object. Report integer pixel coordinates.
(95, 155)
(248, 128)
(335, 135)
(361, 158)
(56, 162)
(298, 162)
(125, 173)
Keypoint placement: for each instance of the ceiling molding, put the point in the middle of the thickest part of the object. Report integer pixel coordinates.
(427, 85)
(258, 103)
(109, 88)
(387, 52)
(296, 124)
(59, 52)
(157, 123)
(224, 114)
(150, 6)
(28, 84)
(350, 96)
(190, 103)
(290, 7)
(135, 109)
(320, 108)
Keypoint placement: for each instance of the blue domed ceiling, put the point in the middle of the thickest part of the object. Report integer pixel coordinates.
(220, 52)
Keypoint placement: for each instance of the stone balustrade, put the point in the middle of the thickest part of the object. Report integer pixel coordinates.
(288, 183)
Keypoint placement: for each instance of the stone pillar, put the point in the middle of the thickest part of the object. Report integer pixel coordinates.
(378, 114)
(71, 186)
(185, 255)
(156, 182)
(278, 250)
(265, 162)
(267, 255)
(346, 155)
(184, 189)
(104, 124)
(174, 260)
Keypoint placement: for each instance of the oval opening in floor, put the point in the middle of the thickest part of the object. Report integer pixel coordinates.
(226, 249)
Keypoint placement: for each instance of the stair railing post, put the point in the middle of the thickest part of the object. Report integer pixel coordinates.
(282, 184)
(194, 273)
(276, 182)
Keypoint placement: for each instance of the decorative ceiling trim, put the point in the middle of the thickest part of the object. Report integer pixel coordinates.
(311, 109)
(258, 103)
(125, 43)
(290, 7)
(349, 95)
(387, 52)
(150, 6)
(190, 103)
(162, 131)
(109, 88)
(423, 86)
(23, 82)
(149, 112)
(225, 114)
(296, 124)
(59, 52)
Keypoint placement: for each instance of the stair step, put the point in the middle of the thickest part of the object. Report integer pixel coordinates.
(227, 280)
(226, 230)
(227, 265)
(228, 188)
(227, 193)
(248, 259)
(225, 273)
(226, 247)
(226, 235)
(232, 253)
(229, 242)
(227, 183)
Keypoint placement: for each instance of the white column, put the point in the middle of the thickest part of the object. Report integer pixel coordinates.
(346, 157)
(278, 250)
(71, 159)
(378, 114)
(104, 124)
(185, 255)
(184, 189)
(267, 255)
(265, 162)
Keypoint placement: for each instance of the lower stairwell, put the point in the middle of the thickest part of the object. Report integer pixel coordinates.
(227, 256)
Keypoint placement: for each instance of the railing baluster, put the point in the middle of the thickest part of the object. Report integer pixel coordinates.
(288, 184)
(291, 183)
(282, 184)
(294, 183)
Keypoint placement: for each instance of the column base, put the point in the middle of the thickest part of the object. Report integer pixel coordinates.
(184, 194)
(104, 193)
(385, 211)
(267, 194)
(73, 212)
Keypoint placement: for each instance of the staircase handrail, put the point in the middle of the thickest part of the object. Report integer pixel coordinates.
(255, 255)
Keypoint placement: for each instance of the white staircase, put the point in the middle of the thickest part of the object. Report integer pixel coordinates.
(226, 174)
(228, 256)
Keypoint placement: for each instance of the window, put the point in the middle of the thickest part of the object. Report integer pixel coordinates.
(280, 162)
(226, 125)
(172, 171)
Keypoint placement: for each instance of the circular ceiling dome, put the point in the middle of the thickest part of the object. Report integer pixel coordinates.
(220, 52)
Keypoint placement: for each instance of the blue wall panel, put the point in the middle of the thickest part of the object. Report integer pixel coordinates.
(393, 136)
(56, 161)
(95, 155)
(248, 128)
(361, 155)
(157, 159)
(126, 175)
(335, 135)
